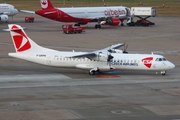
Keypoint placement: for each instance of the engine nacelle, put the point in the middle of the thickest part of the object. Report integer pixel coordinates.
(103, 57)
(113, 21)
(4, 18)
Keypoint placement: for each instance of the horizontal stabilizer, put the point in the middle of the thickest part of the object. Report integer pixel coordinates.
(14, 29)
(28, 11)
(46, 13)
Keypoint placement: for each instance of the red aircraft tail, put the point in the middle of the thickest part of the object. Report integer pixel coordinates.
(46, 4)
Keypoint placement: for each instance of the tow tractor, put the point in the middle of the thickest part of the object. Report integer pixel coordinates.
(70, 29)
(143, 13)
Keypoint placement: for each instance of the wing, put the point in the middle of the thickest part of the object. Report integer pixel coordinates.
(94, 54)
(108, 49)
(28, 11)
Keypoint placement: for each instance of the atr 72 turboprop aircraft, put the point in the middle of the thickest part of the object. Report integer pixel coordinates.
(112, 15)
(106, 59)
(7, 10)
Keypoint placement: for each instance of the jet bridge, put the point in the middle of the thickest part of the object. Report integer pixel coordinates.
(143, 13)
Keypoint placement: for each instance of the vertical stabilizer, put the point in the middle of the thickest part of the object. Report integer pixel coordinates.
(21, 41)
(46, 4)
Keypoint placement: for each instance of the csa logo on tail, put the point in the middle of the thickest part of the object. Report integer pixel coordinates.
(21, 41)
(44, 4)
(147, 61)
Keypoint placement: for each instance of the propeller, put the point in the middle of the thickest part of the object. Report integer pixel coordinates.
(125, 48)
(109, 58)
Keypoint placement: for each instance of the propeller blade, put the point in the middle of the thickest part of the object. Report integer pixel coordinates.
(125, 48)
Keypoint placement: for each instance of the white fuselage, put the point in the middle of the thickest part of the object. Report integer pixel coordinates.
(8, 9)
(119, 62)
(84, 15)
(96, 61)
(96, 12)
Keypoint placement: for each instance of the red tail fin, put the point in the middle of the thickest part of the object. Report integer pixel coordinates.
(21, 41)
(46, 4)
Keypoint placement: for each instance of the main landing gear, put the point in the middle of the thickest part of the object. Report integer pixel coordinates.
(97, 26)
(93, 71)
(77, 24)
(122, 24)
(162, 73)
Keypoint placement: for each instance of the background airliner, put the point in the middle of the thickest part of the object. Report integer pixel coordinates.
(7, 10)
(107, 59)
(113, 15)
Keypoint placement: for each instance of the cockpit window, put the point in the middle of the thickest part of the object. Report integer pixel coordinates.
(161, 59)
(164, 59)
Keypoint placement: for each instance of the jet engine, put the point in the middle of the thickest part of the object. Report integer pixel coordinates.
(113, 21)
(4, 18)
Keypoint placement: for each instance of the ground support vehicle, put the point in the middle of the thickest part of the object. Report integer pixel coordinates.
(140, 22)
(143, 13)
(70, 29)
(29, 19)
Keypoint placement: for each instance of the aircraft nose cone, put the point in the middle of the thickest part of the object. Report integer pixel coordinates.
(171, 65)
(16, 11)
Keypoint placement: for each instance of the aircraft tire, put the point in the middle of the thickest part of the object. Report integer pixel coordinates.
(97, 26)
(92, 72)
(163, 73)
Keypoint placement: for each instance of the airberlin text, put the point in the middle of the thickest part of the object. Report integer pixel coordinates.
(110, 12)
(125, 64)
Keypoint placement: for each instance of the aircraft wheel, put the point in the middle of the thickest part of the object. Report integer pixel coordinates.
(163, 73)
(76, 24)
(92, 72)
(97, 26)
